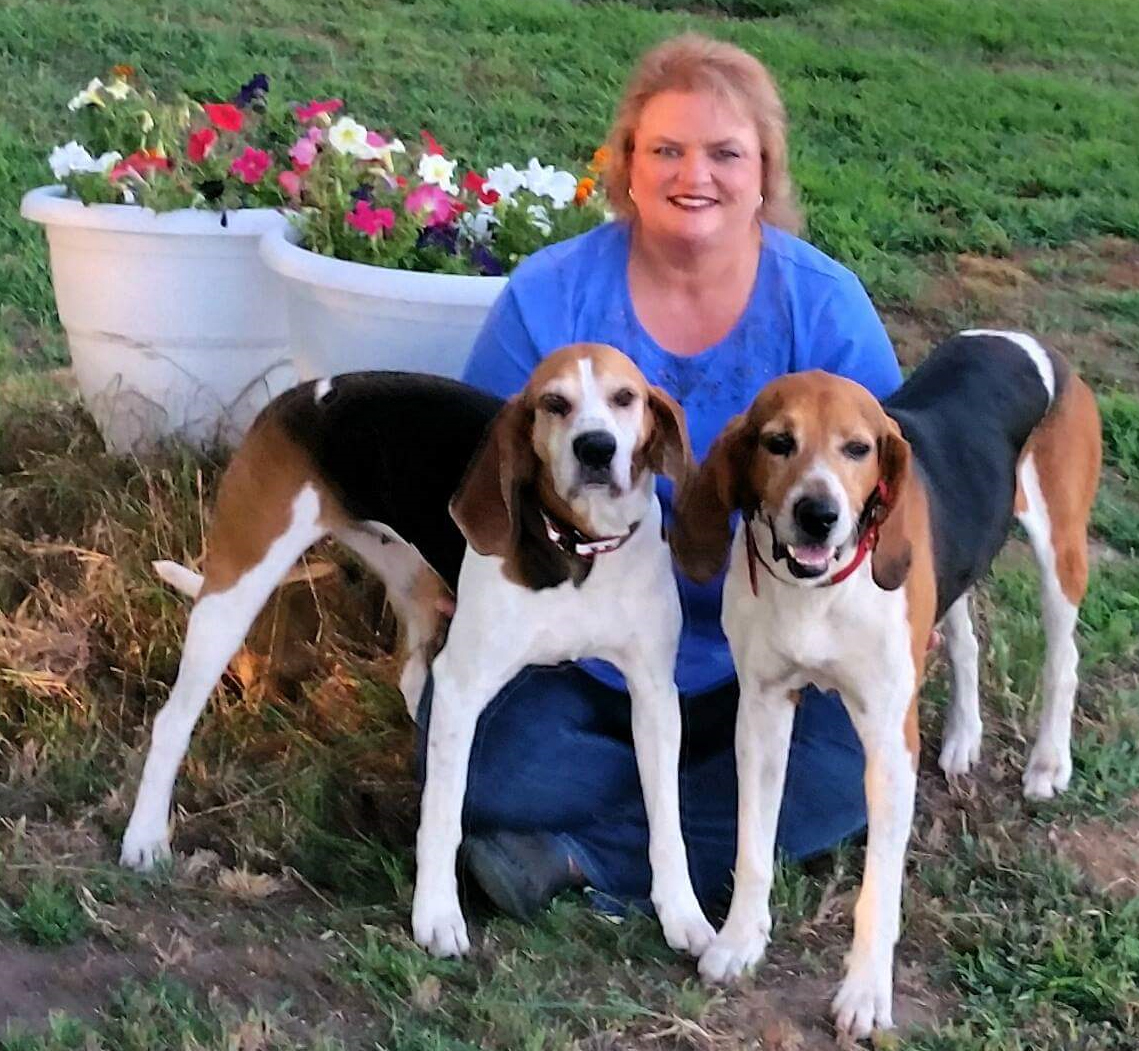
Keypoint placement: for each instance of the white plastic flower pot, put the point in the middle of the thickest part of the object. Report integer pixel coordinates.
(346, 317)
(176, 328)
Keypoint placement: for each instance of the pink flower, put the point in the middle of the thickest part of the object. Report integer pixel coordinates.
(200, 144)
(224, 115)
(315, 134)
(374, 138)
(431, 204)
(303, 153)
(290, 182)
(315, 109)
(368, 220)
(251, 165)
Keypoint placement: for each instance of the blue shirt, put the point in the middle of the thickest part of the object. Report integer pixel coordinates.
(805, 312)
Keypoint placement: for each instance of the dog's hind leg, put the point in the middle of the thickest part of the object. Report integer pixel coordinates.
(961, 740)
(417, 593)
(1057, 477)
(262, 525)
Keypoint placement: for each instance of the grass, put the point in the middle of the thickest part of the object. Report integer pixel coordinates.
(972, 160)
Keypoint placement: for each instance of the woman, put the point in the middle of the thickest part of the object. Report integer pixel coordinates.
(702, 282)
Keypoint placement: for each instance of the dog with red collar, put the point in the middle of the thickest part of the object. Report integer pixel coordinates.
(555, 552)
(862, 526)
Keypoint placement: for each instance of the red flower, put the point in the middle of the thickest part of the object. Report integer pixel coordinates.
(476, 184)
(139, 164)
(224, 115)
(430, 145)
(201, 142)
(368, 220)
(316, 108)
(251, 165)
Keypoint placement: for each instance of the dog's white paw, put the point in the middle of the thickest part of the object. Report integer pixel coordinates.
(863, 1001)
(731, 954)
(1048, 773)
(960, 749)
(686, 929)
(442, 932)
(144, 848)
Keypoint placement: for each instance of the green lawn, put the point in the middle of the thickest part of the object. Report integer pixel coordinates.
(974, 160)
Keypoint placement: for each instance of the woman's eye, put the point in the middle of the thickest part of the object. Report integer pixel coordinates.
(725, 155)
(555, 404)
(856, 450)
(782, 444)
(623, 398)
(666, 151)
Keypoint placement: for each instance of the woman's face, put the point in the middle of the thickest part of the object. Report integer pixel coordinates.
(695, 170)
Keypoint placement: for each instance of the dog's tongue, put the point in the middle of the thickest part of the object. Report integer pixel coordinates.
(815, 556)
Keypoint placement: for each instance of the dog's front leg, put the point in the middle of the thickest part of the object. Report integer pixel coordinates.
(656, 741)
(886, 722)
(763, 741)
(459, 696)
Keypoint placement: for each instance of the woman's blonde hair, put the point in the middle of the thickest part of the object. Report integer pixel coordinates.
(692, 62)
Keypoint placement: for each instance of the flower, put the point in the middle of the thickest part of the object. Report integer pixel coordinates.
(350, 137)
(122, 71)
(200, 144)
(558, 186)
(540, 219)
(429, 202)
(89, 96)
(317, 109)
(600, 160)
(368, 220)
(505, 180)
(435, 168)
(139, 163)
(251, 165)
(118, 89)
(64, 160)
(430, 146)
(477, 224)
(584, 191)
(224, 116)
(476, 184)
(254, 90)
(290, 182)
(302, 153)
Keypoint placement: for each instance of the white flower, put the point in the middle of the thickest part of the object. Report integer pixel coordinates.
(476, 225)
(74, 158)
(147, 122)
(561, 188)
(118, 90)
(89, 96)
(435, 168)
(505, 181)
(537, 176)
(540, 219)
(349, 136)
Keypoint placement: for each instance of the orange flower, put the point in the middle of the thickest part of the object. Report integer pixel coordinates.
(584, 190)
(122, 71)
(600, 160)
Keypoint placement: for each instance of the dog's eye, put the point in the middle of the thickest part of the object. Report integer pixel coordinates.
(782, 444)
(555, 404)
(856, 450)
(624, 397)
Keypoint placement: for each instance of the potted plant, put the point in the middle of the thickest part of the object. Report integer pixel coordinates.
(396, 252)
(175, 326)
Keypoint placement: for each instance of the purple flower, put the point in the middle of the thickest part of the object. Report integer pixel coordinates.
(252, 92)
(362, 192)
(486, 261)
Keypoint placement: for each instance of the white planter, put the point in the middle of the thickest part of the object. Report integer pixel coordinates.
(345, 317)
(175, 326)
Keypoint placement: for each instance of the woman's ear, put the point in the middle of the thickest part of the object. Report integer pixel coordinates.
(485, 508)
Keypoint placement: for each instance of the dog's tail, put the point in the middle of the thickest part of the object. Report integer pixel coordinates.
(178, 576)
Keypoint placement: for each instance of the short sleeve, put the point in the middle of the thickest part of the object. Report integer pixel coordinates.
(505, 352)
(849, 339)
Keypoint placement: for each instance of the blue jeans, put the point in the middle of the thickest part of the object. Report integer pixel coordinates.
(553, 752)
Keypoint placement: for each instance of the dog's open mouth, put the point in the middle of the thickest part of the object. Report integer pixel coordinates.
(805, 561)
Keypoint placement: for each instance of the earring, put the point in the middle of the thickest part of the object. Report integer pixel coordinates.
(631, 197)
(761, 200)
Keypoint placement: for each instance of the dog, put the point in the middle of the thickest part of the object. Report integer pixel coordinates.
(559, 554)
(862, 527)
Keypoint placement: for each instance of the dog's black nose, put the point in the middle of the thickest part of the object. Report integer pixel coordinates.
(815, 516)
(595, 449)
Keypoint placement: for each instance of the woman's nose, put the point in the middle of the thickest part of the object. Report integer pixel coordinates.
(694, 167)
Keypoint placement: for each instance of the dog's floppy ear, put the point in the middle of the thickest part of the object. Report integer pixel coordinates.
(890, 563)
(485, 508)
(701, 530)
(668, 452)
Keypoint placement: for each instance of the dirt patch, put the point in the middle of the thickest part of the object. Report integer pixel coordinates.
(1106, 851)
